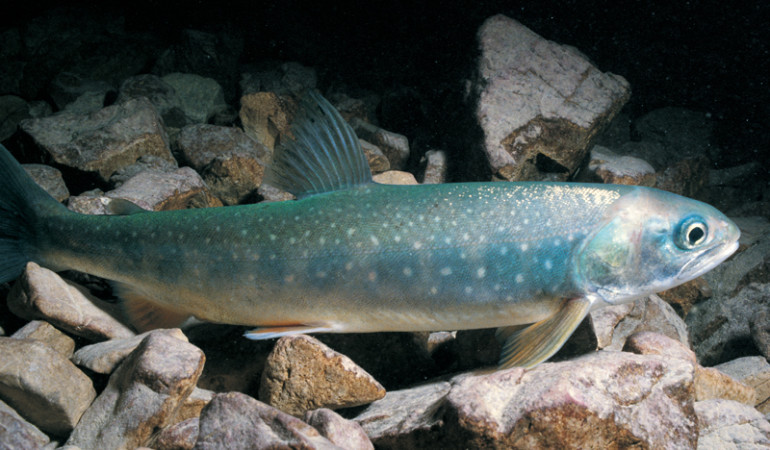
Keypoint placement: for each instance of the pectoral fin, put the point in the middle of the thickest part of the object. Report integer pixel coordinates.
(539, 341)
(270, 332)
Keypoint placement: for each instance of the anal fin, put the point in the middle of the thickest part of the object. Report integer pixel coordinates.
(536, 343)
(270, 332)
(146, 314)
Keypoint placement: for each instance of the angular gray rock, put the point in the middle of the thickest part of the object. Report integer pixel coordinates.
(393, 145)
(13, 110)
(42, 294)
(340, 431)
(161, 94)
(104, 357)
(303, 374)
(143, 394)
(199, 98)
(163, 191)
(17, 433)
(726, 424)
(43, 386)
(104, 141)
(49, 179)
(436, 167)
(612, 168)
(237, 421)
(539, 103)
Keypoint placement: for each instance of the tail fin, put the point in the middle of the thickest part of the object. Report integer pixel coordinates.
(22, 206)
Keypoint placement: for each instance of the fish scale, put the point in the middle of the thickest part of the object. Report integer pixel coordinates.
(351, 255)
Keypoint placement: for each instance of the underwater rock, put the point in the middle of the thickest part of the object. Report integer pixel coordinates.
(377, 160)
(43, 386)
(264, 116)
(161, 94)
(68, 90)
(540, 104)
(727, 424)
(42, 294)
(280, 77)
(612, 168)
(15, 432)
(199, 98)
(303, 374)
(231, 163)
(393, 145)
(753, 371)
(711, 384)
(12, 111)
(49, 179)
(104, 141)
(164, 191)
(345, 433)
(230, 420)
(395, 177)
(45, 333)
(180, 436)
(436, 167)
(143, 394)
(104, 357)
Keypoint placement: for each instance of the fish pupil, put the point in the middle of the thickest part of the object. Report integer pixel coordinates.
(695, 234)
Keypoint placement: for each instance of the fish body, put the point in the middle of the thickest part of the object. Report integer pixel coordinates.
(354, 256)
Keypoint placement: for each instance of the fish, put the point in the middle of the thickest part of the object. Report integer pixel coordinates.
(531, 259)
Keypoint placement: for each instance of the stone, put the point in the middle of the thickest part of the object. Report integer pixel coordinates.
(408, 418)
(15, 432)
(43, 386)
(613, 324)
(393, 145)
(720, 326)
(612, 168)
(147, 162)
(104, 357)
(278, 77)
(159, 92)
(273, 194)
(436, 167)
(539, 104)
(683, 297)
(684, 132)
(264, 117)
(49, 179)
(748, 265)
(395, 177)
(237, 421)
(143, 394)
(180, 436)
(194, 404)
(726, 424)
(164, 191)
(13, 110)
(45, 333)
(711, 384)
(651, 343)
(67, 87)
(232, 164)
(104, 141)
(303, 374)
(759, 327)
(752, 371)
(42, 294)
(340, 431)
(377, 160)
(200, 98)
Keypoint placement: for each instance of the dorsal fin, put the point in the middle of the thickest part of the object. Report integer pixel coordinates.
(321, 153)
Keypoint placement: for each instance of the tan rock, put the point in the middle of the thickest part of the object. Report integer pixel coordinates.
(15, 432)
(45, 333)
(180, 436)
(264, 116)
(104, 357)
(378, 162)
(651, 343)
(237, 418)
(393, 145)
(49, 179)
(302, 374)
(43, 386)
(143, 395)
(711, 384)
(41, 294)
(683, 297)
(752, 371)
(395, 177)
(194, 404)
(163, 191)
(340, 431)
(436, 167)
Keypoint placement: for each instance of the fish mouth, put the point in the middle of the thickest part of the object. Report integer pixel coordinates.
(706, 261)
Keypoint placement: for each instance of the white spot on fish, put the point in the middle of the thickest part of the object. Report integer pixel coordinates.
(133, 234)
(448, 240)
(288, 278)
(244, 232)
(571, 238)
(466, 236)
(255, 257)
(434, 290)
(273, 256)
(348, 266)
(320, 274)
(417, 245)
(374, 240)
(497, 287)
(446, 271)
(407, 271)
(524, 247)
(322, 241)
(397, 238)
(292, 240)
(273, 237)
(519, 278)
(548, 264)
(526, 221)
(468, 289)
(351, 231)
(218, 229)
(503, 250)
(372, 276)
(556, 242)
(333, 225)
(481, 272)
(208, 239)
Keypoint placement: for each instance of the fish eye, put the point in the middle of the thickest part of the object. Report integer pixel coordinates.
(691, 233)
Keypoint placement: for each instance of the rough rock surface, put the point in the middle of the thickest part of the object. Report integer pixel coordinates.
(395, 177)
(539, 103)
(43, 386)
(163, 191)
(753, 371)
(340, 431)
(264, 117)
(726, 424)
(393, 145)
(180, 436)
(15, 432)
(104, 141)
(200, 98)
(377, 160)
(612, 168)
(41, 294)
(237, 421)
(436, 167)
(45, 333)
(143, 394)
(302, 374)
(49, 179)
(104, 357)
(711, 383)
(605, 400)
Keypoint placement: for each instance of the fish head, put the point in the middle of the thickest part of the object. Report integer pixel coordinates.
(649, 241)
